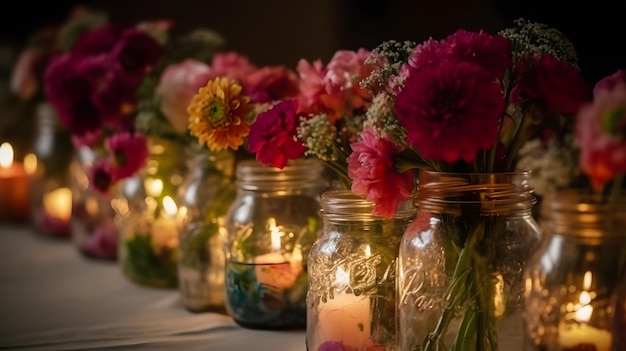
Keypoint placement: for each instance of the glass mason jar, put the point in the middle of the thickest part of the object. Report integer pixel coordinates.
(50, 190)
(271, 226)
(204, 197)
(146, 216)
(461, 261)
(93, 226)
(351, 302)
(575, 282)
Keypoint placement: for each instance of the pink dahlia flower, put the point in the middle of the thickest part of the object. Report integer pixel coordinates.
(371, 167)
(129, 152)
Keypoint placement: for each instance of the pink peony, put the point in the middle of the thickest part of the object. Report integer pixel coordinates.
(601, 132)
(273, 135)
(177, 85)
(371, 167)
(445, 107)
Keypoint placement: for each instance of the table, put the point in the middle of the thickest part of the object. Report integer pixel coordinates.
(53, 298)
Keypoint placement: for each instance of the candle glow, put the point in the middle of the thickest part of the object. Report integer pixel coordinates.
(14, 187)
(346, 318)
(572, 335)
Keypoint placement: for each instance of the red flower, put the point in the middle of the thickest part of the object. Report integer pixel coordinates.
(279, 83)
(70, 81)
(370, 165)
(491, 52)
(273, 135)
(133, 55)
(444, 108)
(100, 176)
(554, 83)
(129, 152)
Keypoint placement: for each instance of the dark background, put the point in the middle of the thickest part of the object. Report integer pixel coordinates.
(283, 31)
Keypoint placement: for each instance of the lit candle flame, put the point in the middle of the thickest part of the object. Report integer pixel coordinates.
(587, 280)
(169, 205)
(275, 235)
(6, 155)
(30, 163)
(154, 187)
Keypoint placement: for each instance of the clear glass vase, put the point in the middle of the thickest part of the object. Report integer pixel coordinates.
(146, 216)
(50, 190)
(351, 302)
(204, 197)
(461, 262)
(271, 226)
(92, 222)
(575, 282)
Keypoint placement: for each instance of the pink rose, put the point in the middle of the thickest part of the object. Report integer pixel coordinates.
(177, 85)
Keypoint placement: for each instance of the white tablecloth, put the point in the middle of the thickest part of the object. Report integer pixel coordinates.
(52, 298)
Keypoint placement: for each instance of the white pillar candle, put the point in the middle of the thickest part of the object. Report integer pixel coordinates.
(346, 318)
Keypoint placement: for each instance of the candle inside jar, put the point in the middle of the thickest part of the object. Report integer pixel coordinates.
(345, 318)
(164, 230)
(275, 268)
(58, 204)
(14, 190)
(579, 334)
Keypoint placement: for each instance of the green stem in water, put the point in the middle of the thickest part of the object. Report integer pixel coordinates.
(455, 295)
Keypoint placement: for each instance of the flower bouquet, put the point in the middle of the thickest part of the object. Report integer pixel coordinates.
(92, 88)
(458, 110)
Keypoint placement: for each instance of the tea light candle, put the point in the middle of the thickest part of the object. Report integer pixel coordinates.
(164, 230)
(58, 204)
(583, 334)
(53, 217)
(575, 334)
(14, 191)
(346, 318)
(275, 268)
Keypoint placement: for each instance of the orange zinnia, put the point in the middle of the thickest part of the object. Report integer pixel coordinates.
(217, 114)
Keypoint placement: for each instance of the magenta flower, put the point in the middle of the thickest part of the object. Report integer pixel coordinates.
(133, 55)
(555, 84)
(445, 107)
(371, 167)
(70, 81)
(129, 152)
(100, 176)
(103, 242)
(490, 52)
(273, 135)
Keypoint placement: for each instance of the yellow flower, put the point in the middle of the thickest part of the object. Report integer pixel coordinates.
(217, 114)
